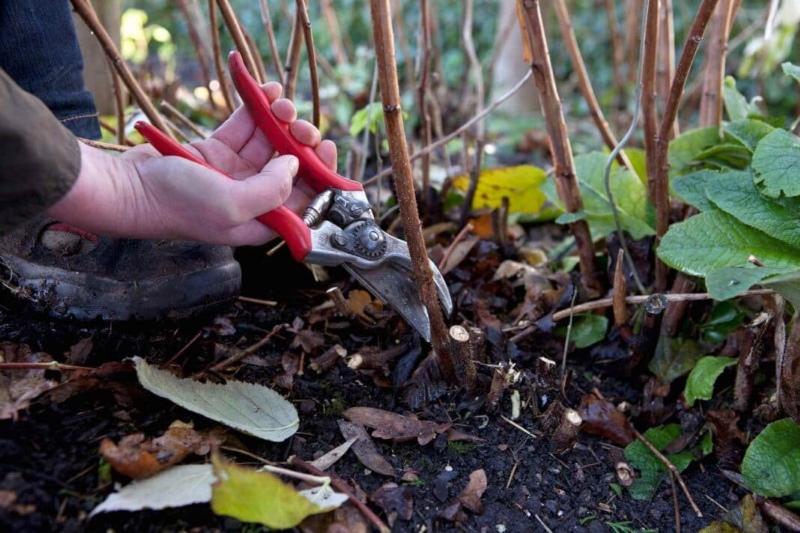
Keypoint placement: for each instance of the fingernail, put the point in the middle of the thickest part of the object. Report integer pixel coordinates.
(294, 164)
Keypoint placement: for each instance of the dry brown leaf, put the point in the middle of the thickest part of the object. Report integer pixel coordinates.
(19, 388)
(357, 301)
(459, 252)
(365, 448)
(329, 459)
(393, 426)
(470, 497)
(396, 502)
(601, 417)
(138, 458)
(80, 351)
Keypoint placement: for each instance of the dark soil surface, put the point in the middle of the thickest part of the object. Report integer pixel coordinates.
(49, 456)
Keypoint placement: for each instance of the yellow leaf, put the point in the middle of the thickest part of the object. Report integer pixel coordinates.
(258, 497)
(522, 185)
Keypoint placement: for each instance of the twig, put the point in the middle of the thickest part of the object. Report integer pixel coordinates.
(617, 51)
(89, 15)
(222, 78)
(185, 347)
(269, 303)
(104, 145)
(780, 514)
(541, 523)
(52, 365)
(659, 175)
(665, 70)
(584, 84)
(191, 14)
(235, 358)
(422, 97)
(342, 487)
(649, 91)
(566, 182)
(620, 292)
(714, 72)
(404, 180)
(183, 119)
(618, 149)
(671, 468)
(119, 105)
(266, 20)
(318, 480)
(458, 238)
(251, 42)
(565, 351)
(458, 131)
(302, 13)
(291, 70)
(514, 424)
(235, 29)
(675, 506)
(640, 299)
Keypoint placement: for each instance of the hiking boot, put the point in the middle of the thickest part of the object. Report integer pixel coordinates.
(66, 272)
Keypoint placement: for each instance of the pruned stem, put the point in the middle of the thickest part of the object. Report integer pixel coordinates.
(235, 29)
(714, 72)
(566, 182)
(87, 13)
(422, 96)
(266, 20)
(404, 180)
(584, 84)
(302, 13)
(665, 70)
(222, 78)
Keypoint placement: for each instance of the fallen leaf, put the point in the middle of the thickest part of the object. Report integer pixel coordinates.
(250, 408)
(365, 448)
(80, 351)
(470, 497)
(521, 184)
(324, 497)
(260, 497)
(393, 426)
(345, 519)
(744, 517)
(19, 388)
(395, 501)
(8, 502)
(330, 458)
(176, 487)
(601, 417)
(459, 252)
(357, 301)
(138, 458)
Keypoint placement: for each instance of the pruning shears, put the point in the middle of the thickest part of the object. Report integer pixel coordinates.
(338, 227)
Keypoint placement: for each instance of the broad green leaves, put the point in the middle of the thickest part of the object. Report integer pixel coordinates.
(261, 497)
(674, 357)
(736, 104)
(630, 196)
(252, 409)
(791, 70)
(586, 330)
(700, 383)
(713, 240)
(776, 163)
(651, 470)
(771, 466)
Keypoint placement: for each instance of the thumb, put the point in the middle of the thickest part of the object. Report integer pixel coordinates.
(268, 189)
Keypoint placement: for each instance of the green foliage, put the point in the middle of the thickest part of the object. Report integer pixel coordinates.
(791, 70)
(748, 131)
(586, 330)
(368, 117)
(629, 192)
(723, 320)
(771, 465)
(736, 105)
(674, 357)
(776, 163)
(700, 383)
(651, 470)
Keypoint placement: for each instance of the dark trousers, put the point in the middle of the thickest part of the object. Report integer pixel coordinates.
(39, 50)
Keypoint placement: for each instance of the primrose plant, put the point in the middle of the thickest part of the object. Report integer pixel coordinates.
(744, 181)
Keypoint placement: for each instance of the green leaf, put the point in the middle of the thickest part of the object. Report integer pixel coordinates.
(691, 188)
(707, 443)
(674, 357)
(776, 162)
(771, 465)
(630, 195)
(791, 70)
(725, 155)
(735, 193)
(730, 282)
(258, 497)
(713, 240)
(736, 105)
(683, 150)
(748, 131)
(652, 471)
(722, 321)
(638, 160)
(252, 409)
(700, 383)
(369, 116)
(586, 330)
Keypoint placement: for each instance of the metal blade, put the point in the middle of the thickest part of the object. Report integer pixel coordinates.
(398, 290)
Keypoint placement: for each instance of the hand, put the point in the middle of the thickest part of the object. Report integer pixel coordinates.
(144, 195)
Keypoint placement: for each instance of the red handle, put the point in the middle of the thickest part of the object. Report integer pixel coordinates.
(282, 220)
(313, 170)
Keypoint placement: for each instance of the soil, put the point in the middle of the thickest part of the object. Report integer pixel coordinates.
(49, 456)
